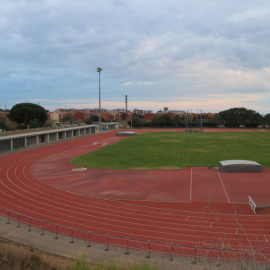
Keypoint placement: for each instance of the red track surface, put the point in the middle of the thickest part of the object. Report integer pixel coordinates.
(189, 220)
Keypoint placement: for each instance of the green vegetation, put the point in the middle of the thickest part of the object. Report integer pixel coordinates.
(95, 118)
(3, 125)
(68, 118)
(266, 119)
(240, 116)
(28, 114)
(163, 150)
(81, 264)
(16, 257)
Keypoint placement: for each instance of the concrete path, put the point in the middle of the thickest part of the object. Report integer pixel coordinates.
(96, 253)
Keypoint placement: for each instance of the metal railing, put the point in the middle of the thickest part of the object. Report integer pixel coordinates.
(148, 246)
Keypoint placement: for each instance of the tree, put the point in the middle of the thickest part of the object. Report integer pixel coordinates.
(137, 116)
(240, 116)
(166, 120)
(212, 122)
(136, 122)
(88, 122)
(161, 121)
(68, 118)
(3, 125)
(95, 118)
(24, 113)
(266, 119)
(178, 121)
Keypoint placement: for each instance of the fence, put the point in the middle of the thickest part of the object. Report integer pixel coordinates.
(128, 244)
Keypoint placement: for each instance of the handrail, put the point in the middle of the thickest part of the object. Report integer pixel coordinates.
(171, 249)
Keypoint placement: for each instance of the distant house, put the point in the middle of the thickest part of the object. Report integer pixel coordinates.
(112, 116)
(79, 116)
(54, 116)
(170, 114)
(149, 116)
(125, 116)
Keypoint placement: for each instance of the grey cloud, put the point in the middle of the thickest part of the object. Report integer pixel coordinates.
(57, 45)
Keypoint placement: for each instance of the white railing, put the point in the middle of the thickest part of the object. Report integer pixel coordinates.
(252, 204)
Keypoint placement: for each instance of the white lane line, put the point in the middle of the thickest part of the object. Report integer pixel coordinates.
(190, 192)
(223, 187)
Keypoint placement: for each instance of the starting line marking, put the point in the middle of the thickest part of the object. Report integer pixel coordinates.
(79, 169)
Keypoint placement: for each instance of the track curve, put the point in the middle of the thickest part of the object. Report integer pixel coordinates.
(217, 225)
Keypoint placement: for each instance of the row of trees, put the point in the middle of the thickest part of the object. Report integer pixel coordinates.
(33, 115)
(159, 121)
(234, 117)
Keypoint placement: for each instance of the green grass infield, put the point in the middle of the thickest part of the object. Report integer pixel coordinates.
(177, 150)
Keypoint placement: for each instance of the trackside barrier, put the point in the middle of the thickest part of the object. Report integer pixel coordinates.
(170, 249)
(252, 204)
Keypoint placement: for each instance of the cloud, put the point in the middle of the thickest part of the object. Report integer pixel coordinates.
(130, 83)
(256, 13)
(194, 103)
(127, 83)
(155, 51)
(146, 83)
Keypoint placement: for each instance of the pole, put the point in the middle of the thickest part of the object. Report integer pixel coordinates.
(99, 70)
(126, 109)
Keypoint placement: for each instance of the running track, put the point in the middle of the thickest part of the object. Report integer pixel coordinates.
(216, 225)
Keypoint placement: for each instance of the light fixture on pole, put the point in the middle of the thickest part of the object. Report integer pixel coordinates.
(99, 70)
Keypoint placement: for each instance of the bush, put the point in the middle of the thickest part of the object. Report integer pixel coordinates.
(3, 125)
(136, 122)
(11, 125)
(49, 123)
(88, 122)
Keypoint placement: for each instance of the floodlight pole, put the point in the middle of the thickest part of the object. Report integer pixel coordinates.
(99, 69)
(118, 121)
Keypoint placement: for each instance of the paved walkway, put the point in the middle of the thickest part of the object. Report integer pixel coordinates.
(96, 253)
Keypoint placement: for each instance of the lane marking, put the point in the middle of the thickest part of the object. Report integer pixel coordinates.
(223, 187)
(190, 191)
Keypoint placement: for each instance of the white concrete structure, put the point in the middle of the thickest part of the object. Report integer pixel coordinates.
(109, 126)
(126, 133)
(24, 140)
(240, 166)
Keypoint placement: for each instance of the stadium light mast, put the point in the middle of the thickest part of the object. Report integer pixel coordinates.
(99, 69)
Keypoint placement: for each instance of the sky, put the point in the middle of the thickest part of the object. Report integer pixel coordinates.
(199, 55)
